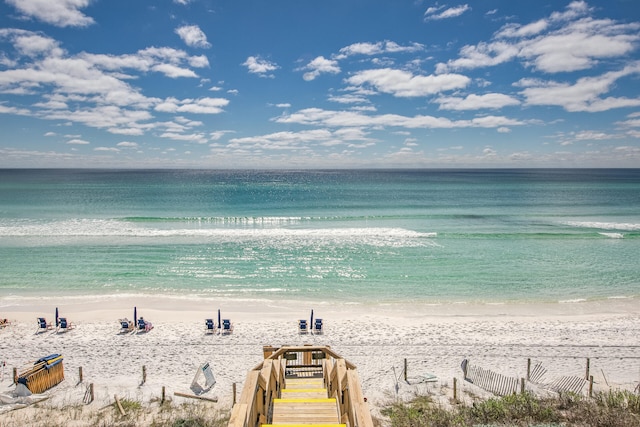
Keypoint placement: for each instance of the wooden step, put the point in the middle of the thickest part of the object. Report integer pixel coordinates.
(304, 425)
(305, 411)
(304, 393)
(304, 383)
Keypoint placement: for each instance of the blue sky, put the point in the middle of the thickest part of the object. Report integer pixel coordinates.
(319, 84)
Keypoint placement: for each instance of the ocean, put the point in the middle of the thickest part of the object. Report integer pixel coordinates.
(348, 236)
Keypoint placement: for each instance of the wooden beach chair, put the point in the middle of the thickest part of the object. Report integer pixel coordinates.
(43, 326)
(227, 327)
(318, 328)
(126, 325)
(64, 325)
(209, 326)
(303, 327)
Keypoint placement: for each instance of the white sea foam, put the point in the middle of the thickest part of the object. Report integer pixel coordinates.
(604, 225)
(612, 235)
(58, 231)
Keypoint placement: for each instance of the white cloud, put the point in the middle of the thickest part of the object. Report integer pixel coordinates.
(193, 36)
(584, 95)
(199, 61)
(349, 99)
(377, 49)
(331, 119)
(565, 41)
(477, 102)
(173, 71)
(320, 65)
(107, 149)
(199, 106)
(61, 13)
(443, 12)
(262, 67)
(127, 144)
(404, 84)
(78, 142)
(199, 138)
(217, 135)
(285, 140)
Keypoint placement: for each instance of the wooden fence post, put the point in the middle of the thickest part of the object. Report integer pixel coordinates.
(15, 375)
(80, 374)
(591, 386)
(144, 374)
(455, 389)
(528, 369)
(521, 385)
(234, 393)
(586, 376)
(115, 396)
(405, 370)
(163, 395)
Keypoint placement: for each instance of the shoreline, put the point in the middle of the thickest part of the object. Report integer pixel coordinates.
(191, 308)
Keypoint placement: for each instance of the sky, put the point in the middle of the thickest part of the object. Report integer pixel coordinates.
(302, 84)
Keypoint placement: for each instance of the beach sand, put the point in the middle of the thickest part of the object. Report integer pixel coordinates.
(434, 340)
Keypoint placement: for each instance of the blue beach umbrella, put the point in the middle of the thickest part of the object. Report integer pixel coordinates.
(56, 316)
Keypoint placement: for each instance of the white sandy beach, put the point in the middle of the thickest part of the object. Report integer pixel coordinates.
(433, 339)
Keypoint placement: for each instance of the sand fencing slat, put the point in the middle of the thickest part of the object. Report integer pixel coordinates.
(563, 384)
(490, 381)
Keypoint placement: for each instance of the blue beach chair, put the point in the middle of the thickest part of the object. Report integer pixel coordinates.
(210, 326)
(227, 327)
(303, 327)
(144, 326)
(64, 325)
(318, 327)
(43, 325)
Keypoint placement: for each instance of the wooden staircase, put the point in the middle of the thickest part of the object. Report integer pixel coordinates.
(301, 386)
(304, 402)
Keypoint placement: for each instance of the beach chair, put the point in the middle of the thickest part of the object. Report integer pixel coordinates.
(144, 326)
(4, 323)
(43, 325)
(210, 326)
(227, 327)
(303, 327)
(64, 325)
(126, 325)
(318, 327)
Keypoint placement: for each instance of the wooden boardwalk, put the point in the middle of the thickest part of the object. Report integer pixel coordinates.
(301, 386)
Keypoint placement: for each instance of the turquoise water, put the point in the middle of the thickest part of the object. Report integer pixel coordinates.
(394, 236)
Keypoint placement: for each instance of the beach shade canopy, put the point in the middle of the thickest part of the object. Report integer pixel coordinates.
(56, 316)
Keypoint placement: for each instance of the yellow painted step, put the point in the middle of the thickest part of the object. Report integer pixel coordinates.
(304, 425)
(320, 400)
